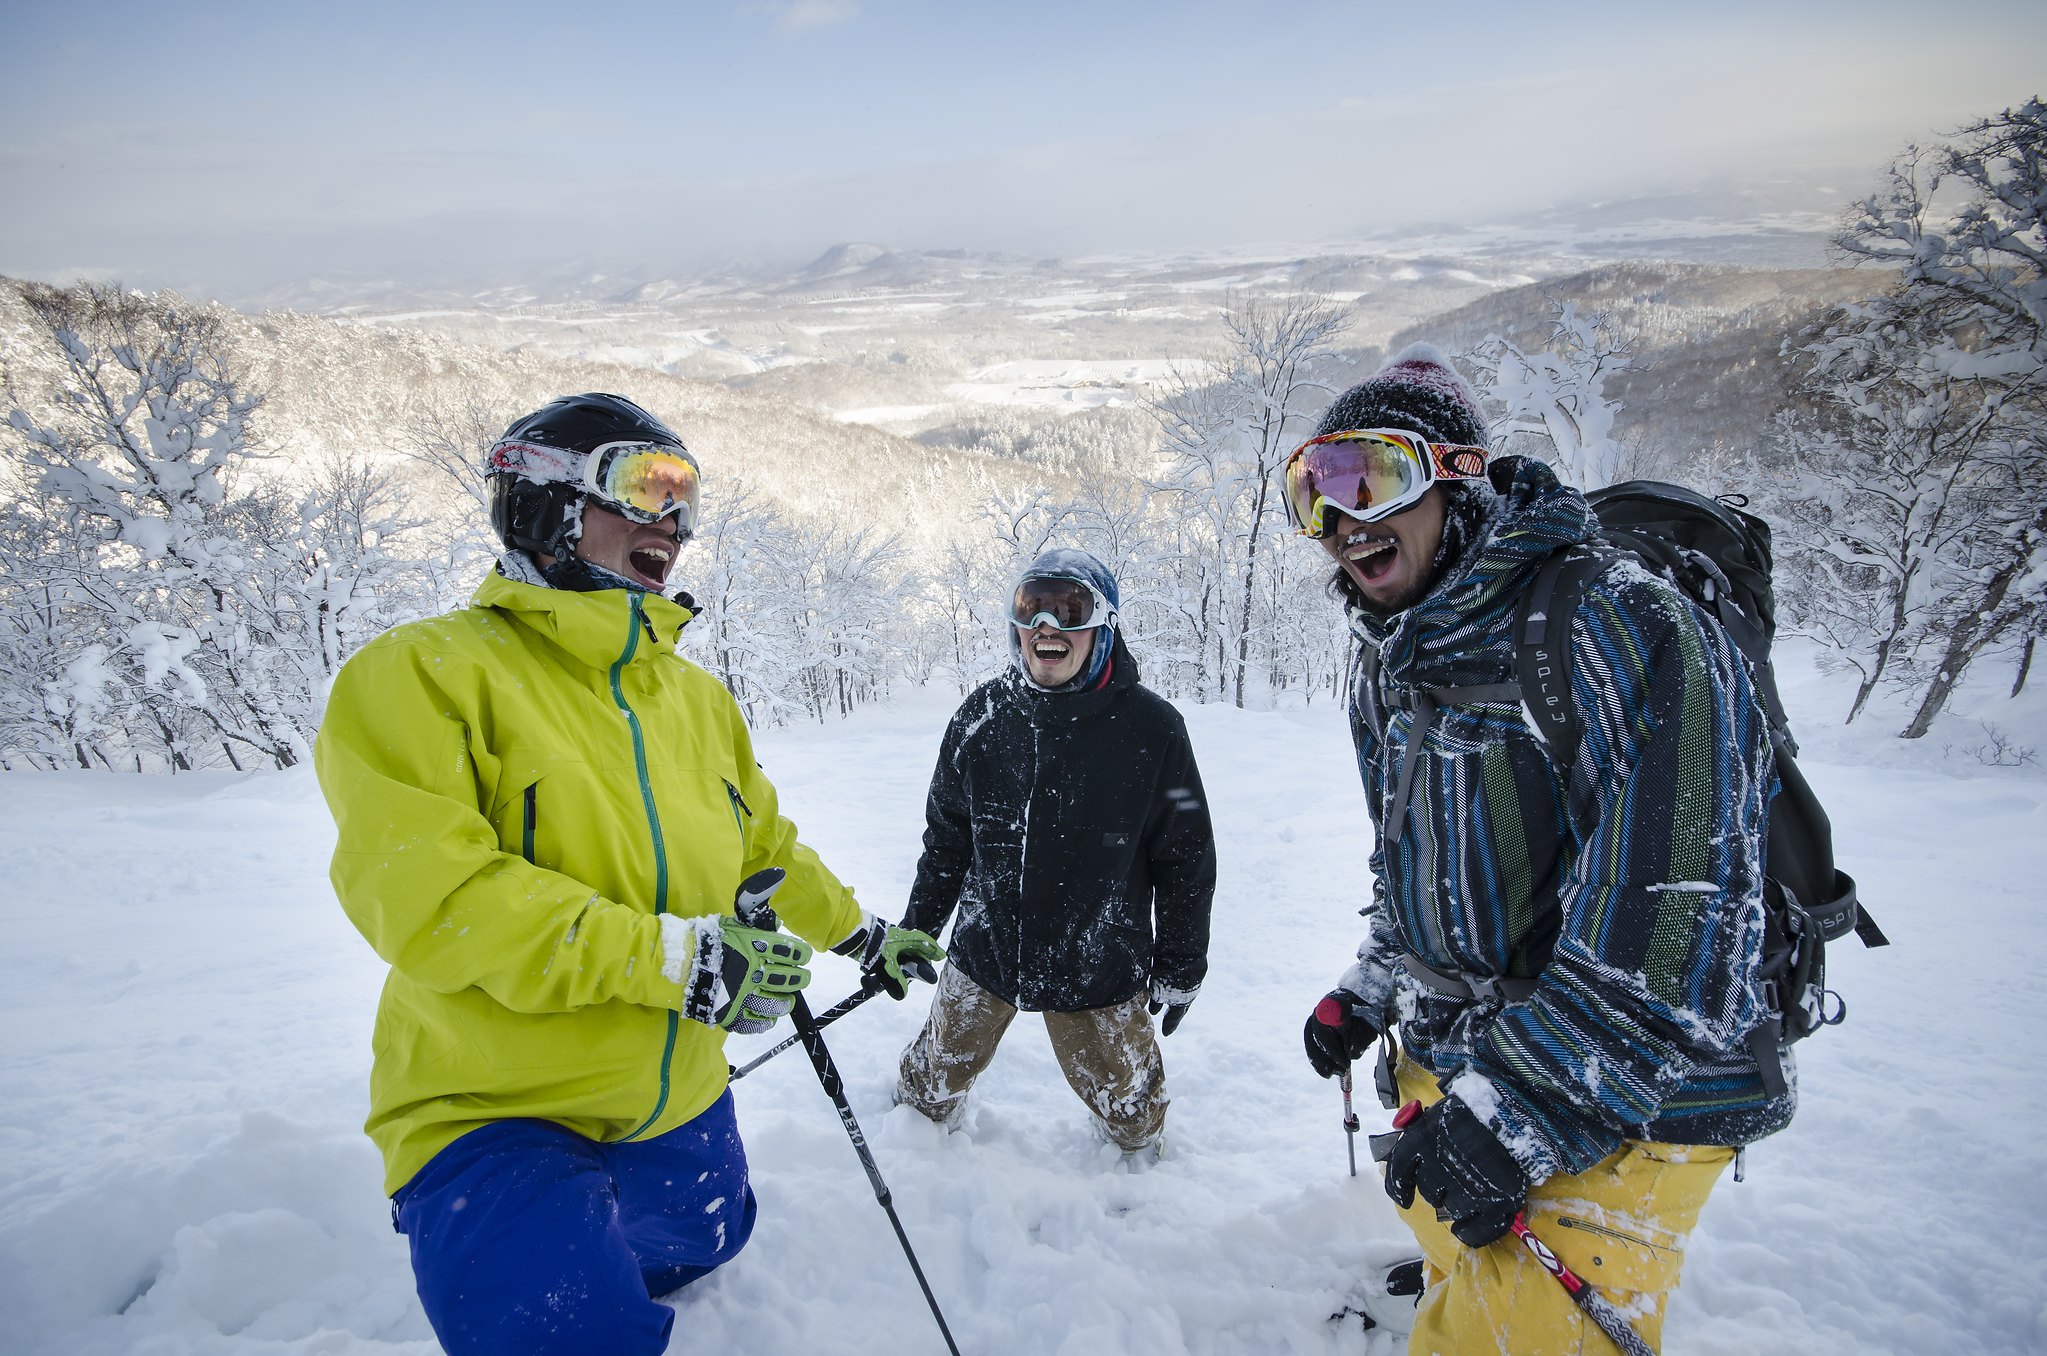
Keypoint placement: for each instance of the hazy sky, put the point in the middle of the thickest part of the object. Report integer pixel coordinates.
(234, 146)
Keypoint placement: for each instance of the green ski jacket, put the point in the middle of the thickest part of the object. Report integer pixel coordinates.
(520, 788)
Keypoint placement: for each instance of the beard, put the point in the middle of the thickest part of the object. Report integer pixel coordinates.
(1467, 508)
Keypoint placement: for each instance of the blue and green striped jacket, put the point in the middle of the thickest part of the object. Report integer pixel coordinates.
(1634, 897)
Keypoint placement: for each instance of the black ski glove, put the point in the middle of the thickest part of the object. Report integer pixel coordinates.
(1338, 1031)
(1461, 1168)
(1171, 1000)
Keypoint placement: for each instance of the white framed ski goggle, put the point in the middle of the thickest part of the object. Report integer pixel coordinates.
(1056, 600)
(1368, 474)
(645, 481)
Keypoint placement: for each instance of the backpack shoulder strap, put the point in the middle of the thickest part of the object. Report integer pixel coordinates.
(1367, 711)
(1542, 648)
(1542, 668)
(1421, 705)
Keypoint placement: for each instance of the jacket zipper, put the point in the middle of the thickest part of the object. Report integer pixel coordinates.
(532, 822)
(632, 645)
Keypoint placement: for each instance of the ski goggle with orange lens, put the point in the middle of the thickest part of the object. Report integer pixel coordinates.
(1368, 474)
(645, 481)
(1069, 604)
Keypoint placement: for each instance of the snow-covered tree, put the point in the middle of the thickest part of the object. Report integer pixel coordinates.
(1933, 425)
(733, 569)
(965, 597)
(1910, 501)
(51, 709)
(1552, 401)
(1228, 424)
(141, 440)
(857, 599)
(445, 438)
(188, 599)
(1987, 261)
(797, 618)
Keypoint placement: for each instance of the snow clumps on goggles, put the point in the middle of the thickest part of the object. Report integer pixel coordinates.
(1368, 474)
(1069, 604)
(643, 481)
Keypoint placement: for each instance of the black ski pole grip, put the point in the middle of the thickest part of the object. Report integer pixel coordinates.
(750, 904)
(1382, 1144)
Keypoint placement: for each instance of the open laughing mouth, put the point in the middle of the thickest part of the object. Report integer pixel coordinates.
(1372, 557)
(1050, 651)
(650, 561)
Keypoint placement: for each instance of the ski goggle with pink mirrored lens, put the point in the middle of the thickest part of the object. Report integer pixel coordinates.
(645, 481)
(1069, 604)
(1368, 474)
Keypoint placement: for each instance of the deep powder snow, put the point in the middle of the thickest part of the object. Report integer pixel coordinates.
(185, 1037)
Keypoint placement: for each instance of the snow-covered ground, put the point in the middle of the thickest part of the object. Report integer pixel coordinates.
(184, 1044)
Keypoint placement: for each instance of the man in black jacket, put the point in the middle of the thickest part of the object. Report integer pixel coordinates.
(1066, 824)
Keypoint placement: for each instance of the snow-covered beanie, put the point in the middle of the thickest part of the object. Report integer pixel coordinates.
(1069, 562)
(1417, 390)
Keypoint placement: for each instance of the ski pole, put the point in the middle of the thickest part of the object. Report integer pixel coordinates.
(1597, 1307)
(752, 907)
(831, 1014)
(1350, 1121)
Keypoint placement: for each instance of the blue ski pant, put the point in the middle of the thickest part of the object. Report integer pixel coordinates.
(529, 1238)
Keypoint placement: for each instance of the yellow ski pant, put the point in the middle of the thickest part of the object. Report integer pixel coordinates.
(1621, 1225)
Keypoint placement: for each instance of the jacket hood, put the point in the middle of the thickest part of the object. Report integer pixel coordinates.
(1073, 702)
(590, 626)
(1536, 514)
(1068, 562)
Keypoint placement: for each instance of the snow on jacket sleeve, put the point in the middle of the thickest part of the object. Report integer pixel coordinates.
(420, 871)
(1182, 852)
(948, 827)
(1662, 917)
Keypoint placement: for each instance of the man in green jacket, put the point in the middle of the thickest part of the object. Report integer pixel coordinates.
(544, 814)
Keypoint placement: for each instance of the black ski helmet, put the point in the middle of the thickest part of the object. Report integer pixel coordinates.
(536, 499)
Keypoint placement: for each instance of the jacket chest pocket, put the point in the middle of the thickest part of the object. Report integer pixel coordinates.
(701, 844)
(528, 810)
(999, 804)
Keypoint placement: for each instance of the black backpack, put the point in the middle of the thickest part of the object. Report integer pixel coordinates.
(1719, 556)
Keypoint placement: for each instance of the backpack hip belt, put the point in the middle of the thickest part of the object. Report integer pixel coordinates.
(1492, 990)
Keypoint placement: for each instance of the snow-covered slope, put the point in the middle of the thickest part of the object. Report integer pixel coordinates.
(184, 1042)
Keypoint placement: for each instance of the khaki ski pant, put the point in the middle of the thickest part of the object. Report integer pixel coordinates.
(1107, 1054)
(1621, 1225)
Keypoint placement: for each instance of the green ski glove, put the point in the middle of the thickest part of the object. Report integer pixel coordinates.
(738, 978)
(890, 955)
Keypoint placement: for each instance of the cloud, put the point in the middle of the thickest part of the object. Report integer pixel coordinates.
(800, 16)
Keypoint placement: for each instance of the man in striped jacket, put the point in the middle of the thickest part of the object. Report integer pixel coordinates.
(1570, 955)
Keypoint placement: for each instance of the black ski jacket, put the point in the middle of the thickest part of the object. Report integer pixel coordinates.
(1071, 832)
